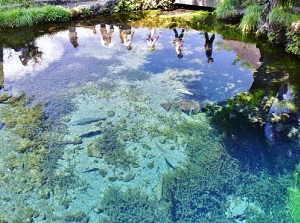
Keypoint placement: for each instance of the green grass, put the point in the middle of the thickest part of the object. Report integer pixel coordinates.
(280, 18)
(13, 2)
(250, 20)
(226, 9)
(19, 17)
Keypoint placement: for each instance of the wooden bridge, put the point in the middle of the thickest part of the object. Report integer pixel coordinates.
(202, 3)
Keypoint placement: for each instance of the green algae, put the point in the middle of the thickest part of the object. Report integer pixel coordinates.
(132, 205)
(112, 148)
(294, 197)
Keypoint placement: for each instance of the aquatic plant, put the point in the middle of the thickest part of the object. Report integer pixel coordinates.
(250, 20)
(112, 148)
(294, 197)
(132, 205)
(250, 99)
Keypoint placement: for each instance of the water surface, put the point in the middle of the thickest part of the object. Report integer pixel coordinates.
(129, 138)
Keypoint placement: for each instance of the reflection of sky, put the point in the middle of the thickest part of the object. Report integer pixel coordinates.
(13, 68)
(63, 65)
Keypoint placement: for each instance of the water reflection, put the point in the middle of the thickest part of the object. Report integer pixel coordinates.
(73, 36)
(106, 32)
(178, 42)
(126, 36)
(119, 113)
(153, 38)
(1, 68)
(209, 47)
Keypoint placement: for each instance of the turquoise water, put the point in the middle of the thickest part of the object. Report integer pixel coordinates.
(136, 135)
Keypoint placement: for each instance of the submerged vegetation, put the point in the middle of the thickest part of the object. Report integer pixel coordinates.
(294, 197)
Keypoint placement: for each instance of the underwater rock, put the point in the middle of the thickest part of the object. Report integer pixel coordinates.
(127, 178)
(75, 217)
(4, 97)
(166, 105)
(112, 178)
(93, 151)
(189, 105)
(237, 207)
(86, 121)
(150, 165)
(103, 172)
(111, 113)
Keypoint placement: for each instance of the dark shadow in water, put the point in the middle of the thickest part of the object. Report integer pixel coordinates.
(247, 144)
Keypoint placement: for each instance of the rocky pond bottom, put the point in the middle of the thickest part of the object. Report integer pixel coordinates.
(111, 137)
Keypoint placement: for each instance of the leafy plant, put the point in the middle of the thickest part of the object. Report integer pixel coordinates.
(279, 18)
(251, 18)
(293, 45)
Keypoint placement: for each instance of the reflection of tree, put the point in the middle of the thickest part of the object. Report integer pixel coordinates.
(1, 68)
(30, 52)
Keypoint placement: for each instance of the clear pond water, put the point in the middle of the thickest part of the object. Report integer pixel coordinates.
(126, 135)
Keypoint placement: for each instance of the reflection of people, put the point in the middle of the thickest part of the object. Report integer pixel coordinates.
(126, 36)
(208, 47)
(151, 40)
(178, 42)
(73, 36)
(107, 38)
(282, 90)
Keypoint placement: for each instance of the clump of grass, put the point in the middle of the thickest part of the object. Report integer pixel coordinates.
(250, 20)
(280, 18)
(19, 17)
(226, 9)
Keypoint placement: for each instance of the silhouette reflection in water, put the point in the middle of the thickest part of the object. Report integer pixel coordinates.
(209, 46)
(178, 42)
(151, 40)
(73, 36)
(106, 35)
(126, 36)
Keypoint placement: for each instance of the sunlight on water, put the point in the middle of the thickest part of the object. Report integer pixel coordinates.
(124, 138)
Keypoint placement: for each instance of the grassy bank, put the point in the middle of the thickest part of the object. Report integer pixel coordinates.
(19, 17)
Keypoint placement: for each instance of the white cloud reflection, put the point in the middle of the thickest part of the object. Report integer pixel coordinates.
(52, 49)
